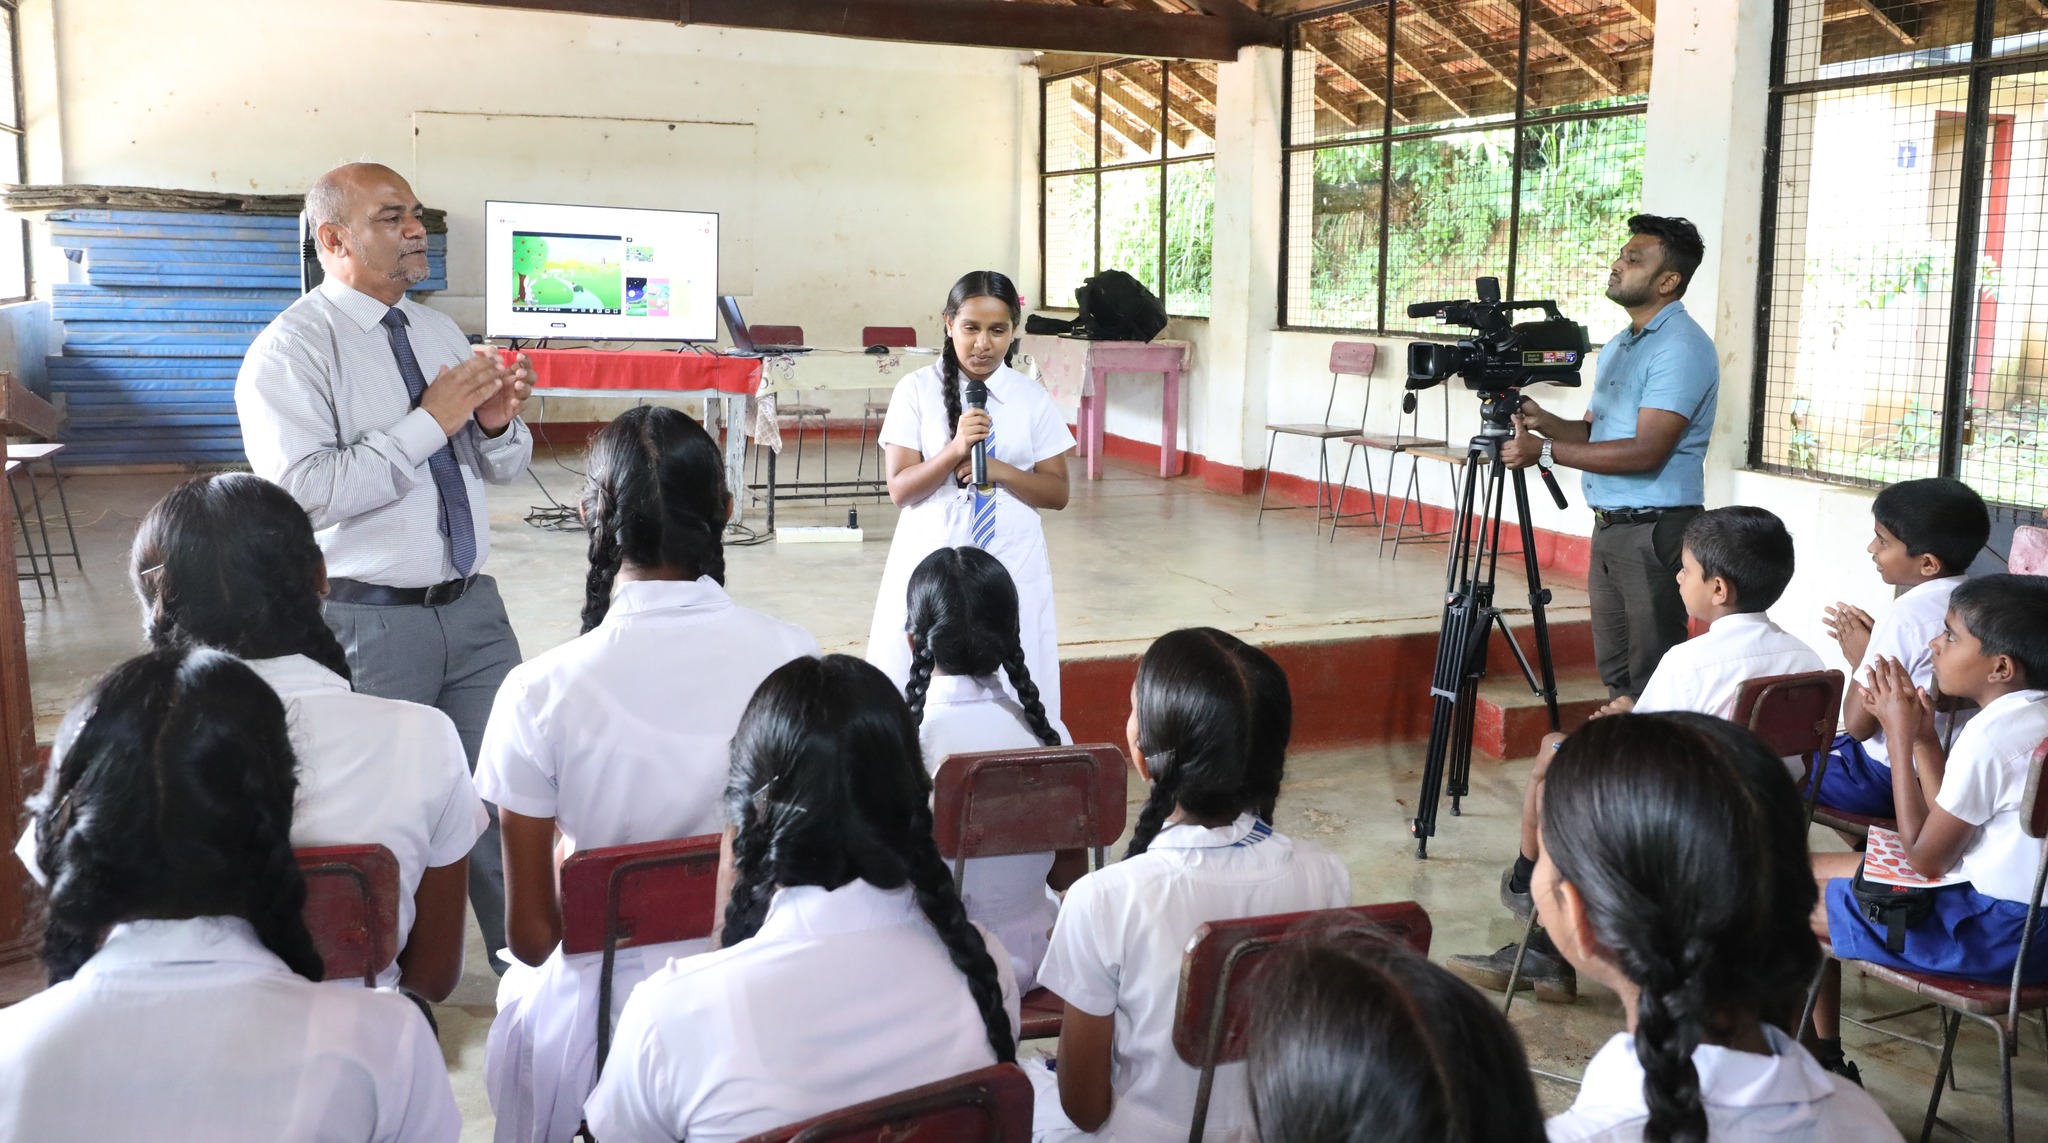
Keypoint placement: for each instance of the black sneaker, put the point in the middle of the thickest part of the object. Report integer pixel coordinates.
(1520, 904)
(1543, 970)
(1829, 1056)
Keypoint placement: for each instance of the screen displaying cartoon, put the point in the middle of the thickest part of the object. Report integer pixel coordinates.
(600, 273)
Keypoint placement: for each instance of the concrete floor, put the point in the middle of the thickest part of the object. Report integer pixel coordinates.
(1133, 557)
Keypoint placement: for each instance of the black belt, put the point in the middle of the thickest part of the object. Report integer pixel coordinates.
(342, 590)
(1637, 515)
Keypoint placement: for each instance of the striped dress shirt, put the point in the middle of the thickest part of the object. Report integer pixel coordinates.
(325, 414)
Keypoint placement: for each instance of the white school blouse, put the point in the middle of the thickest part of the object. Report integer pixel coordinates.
(1028, 429)
(371, 770)
(192, 1031)
(1905, 632)
(1782, 1098)
(1118, 945)
(1008, 895)
(841, 997)
(1985, 785)
(1704, 674)
(621, 735)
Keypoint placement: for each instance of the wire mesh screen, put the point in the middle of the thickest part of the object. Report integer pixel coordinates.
(1477, 177)
(1129, 179)
(1883, 177)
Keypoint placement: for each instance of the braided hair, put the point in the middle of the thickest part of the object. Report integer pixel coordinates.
(229, 561)
(828, 786)
(1686, 840)
(978, 284)
(172, 798)
(1214, 715)
(1354, 1040)
(962, 619)
(654, 495)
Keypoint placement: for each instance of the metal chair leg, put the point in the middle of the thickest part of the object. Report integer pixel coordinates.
(64, 506)
(1344, 486)
(1950, 1022)
(1515, 973)
(28, 547)
(2006, 1048)
(1271, 440)
(35, 491)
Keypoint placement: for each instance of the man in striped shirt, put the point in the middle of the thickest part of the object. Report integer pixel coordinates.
(374, 413)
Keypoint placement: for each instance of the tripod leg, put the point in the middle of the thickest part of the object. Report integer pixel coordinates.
(1451, 686)
(1539, 598)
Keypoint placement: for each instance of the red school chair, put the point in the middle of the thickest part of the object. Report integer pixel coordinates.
(1997, 1005)
(1212, 1014)
(1039, 800)
(626, 896)
(1347, 358)
(351, 908)
(871, 413)
(992, 1105)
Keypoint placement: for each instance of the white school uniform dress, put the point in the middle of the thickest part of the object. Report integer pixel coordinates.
(1985, 784)
(842, 996)
(1705, 673)
(621, 735)
(1785, 1097)
(191, 1030)
(1028, 428)
(1117, 948)
(1007, 895)
(371, 770)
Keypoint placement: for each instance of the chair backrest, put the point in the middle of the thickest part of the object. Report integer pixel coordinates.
(352, 908)
(777, 334)
(992, 1105)
(1214, 1007)
(2036, 820)
(893, 336)
(1792, 714)
(1030, 801)
(1353, 357)
(645, 894)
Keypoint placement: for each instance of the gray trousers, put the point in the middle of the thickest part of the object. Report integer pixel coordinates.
(1632, 584)
(452, 658)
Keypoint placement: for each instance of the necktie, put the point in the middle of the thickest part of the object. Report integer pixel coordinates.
(456, 522)
(983, 530)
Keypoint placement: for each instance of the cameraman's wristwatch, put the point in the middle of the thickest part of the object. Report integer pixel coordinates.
(1543, 460)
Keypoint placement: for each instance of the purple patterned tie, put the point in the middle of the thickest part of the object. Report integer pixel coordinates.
(456, 522)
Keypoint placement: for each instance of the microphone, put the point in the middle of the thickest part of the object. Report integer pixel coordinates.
(976, 396)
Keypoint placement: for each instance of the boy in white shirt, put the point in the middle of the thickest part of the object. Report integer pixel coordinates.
(1735, 565)
(1962, 813)
(1926, 533)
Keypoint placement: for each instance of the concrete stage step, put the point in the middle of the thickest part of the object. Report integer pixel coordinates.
(1511, 720)
(1364, 684)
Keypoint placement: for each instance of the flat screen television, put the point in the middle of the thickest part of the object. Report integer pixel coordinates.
(600, 273)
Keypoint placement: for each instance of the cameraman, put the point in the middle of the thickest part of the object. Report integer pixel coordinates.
(1642, 446)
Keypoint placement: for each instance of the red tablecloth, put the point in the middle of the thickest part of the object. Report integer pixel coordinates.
(597, 369)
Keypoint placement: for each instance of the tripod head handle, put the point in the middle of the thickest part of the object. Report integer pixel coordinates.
(1556, 493)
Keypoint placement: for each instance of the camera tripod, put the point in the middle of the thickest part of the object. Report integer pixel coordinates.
(1470, 616)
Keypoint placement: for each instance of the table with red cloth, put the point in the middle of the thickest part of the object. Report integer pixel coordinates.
(725, 381)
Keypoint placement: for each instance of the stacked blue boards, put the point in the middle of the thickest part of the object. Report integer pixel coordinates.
(155, 334)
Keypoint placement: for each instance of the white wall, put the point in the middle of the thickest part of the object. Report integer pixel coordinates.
(881, 171)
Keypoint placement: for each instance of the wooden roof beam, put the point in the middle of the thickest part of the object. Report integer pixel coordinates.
(1448, 21)
(1119, 89)
(1576, 45)
(1884, 15)
(1419, 67)
(1216, 33)
(1114, 120)
(1351, 68)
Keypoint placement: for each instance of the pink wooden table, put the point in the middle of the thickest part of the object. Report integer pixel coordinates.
(1070, 364)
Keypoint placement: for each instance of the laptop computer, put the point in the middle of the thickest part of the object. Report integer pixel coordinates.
(743, 339)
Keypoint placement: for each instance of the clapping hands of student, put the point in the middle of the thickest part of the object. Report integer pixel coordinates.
(1905, 711)
(1849, 625)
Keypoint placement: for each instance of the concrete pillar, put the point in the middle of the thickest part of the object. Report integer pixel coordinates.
(1250, 95)
(1710, 78)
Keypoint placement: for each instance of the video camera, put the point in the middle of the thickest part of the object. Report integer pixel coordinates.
(1502, 356)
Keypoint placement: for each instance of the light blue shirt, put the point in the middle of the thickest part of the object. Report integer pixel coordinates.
(1670, 365)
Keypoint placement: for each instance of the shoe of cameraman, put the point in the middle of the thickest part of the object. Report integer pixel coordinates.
(1544, 970)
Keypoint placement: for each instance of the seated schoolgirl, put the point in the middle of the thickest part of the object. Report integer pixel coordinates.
(229, 562)
(615, 737)
(1359, 1042)
(1673, 870)
(963, 633)
(1960, 814)
(182, 1003)
(849, 969)
(1206, 710)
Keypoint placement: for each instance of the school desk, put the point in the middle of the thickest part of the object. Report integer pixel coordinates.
(1076, 373)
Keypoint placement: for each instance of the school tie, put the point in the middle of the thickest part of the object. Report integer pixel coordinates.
(983, 531)
(456, 522)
